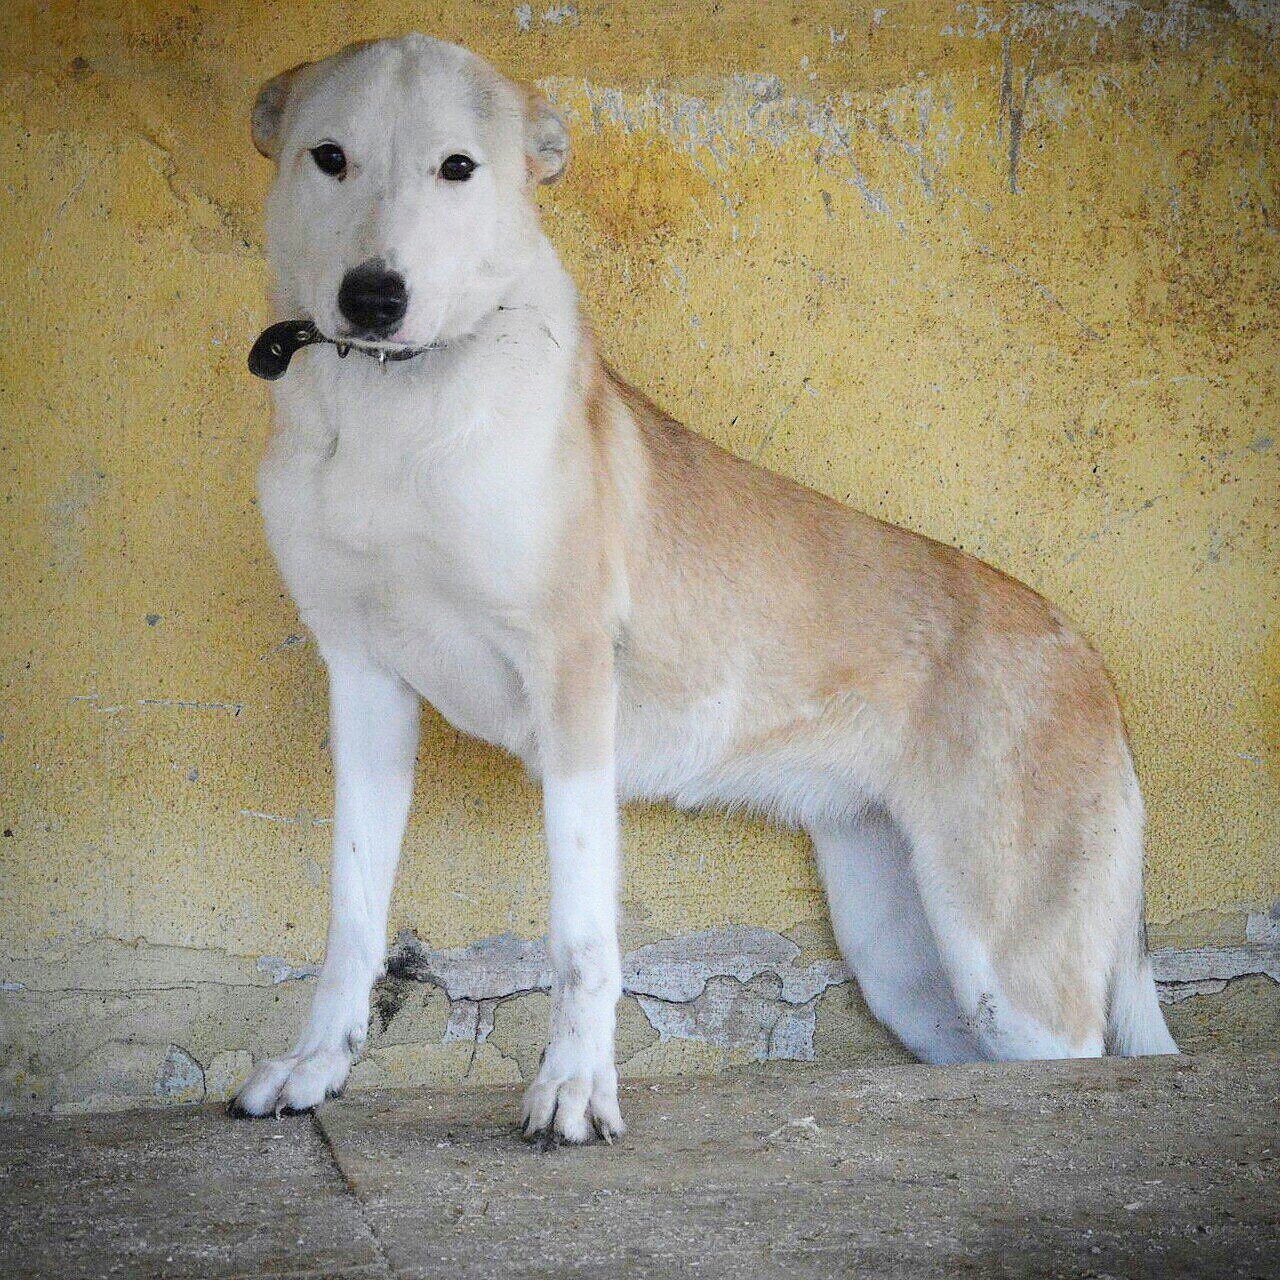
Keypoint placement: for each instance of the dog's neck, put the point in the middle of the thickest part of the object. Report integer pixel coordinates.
(541, 304)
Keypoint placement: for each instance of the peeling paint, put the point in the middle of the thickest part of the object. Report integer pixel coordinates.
(736, 993)
(672, 970)
(741, 988)
(1263, 929)
(734, 987)
(678, 969)
(491, 969)
(279, 970)
(181, 1078)
(732, 1015)
(470, 1020)
(1013, 106)
(192, 704)
(1190, 972)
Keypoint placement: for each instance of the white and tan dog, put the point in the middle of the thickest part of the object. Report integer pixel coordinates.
(494, 521)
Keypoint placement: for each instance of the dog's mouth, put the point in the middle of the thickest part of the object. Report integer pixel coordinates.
(276, 346)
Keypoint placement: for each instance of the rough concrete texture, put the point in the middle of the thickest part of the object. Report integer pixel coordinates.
(1164, 1168)
(1004, 273)
(478, 1015)
(185, 1192)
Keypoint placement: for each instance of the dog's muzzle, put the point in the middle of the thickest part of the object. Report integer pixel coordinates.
(270, 355)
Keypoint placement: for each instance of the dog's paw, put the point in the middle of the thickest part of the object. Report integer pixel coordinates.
(573, 1107)
(279, 1086)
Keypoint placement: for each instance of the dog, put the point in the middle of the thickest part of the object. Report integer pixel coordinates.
(470, 506)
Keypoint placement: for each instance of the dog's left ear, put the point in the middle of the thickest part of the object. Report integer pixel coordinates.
(268, 110)
(546, 138)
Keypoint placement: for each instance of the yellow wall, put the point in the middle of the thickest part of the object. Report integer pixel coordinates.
(798, 226)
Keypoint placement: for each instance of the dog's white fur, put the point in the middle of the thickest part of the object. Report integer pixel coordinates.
(503, 527)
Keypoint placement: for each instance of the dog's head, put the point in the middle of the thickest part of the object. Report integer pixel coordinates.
(401, 208)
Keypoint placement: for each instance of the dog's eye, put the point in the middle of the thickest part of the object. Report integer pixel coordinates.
(330, 159)
(457, 168)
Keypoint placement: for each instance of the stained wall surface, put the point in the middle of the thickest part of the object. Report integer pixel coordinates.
(1004, 274)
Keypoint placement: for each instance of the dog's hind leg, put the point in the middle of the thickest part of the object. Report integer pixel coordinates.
(882, 932)
(1025, 909)
(373, 739)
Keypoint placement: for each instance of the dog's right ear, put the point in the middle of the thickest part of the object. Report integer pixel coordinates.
(268, 110)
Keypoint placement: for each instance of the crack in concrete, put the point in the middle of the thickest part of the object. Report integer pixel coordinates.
(1194, 971)
(353, 1190)
(736, 987)
(675, 970)
(741, 989)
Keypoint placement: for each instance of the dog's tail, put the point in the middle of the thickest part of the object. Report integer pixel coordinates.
(1135, 1023)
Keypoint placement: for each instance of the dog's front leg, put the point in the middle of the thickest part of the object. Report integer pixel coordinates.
(374, 720)
(576, 1089)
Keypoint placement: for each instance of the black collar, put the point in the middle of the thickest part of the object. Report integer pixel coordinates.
(275, 347)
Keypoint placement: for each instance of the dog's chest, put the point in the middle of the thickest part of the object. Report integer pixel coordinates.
(426, 572)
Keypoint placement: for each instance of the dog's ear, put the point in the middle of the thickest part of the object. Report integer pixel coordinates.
(546, 138)
(268, 110)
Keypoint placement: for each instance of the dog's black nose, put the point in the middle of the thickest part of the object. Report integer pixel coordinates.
(373, 298)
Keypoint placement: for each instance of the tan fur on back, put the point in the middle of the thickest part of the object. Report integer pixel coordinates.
(736, 575)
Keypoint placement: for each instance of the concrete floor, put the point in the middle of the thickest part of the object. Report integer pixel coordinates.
(1163, 1167)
